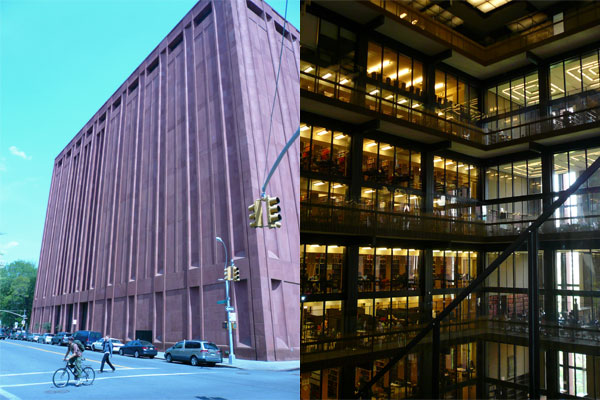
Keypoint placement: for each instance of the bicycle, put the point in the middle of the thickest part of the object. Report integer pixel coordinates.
(61, 376)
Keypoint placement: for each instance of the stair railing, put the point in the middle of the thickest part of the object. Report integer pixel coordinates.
(530, 236)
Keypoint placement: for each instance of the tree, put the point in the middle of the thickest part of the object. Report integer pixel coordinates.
(46, 326)
(17, 287)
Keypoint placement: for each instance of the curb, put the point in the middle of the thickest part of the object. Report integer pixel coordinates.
(225, 365)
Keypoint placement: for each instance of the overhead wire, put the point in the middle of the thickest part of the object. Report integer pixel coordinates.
(276, 92)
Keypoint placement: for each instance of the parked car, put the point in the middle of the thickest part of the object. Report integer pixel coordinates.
(138, 348)
(65, 339)
(57, 338)
(3, 334)
(117, 344)
(22, 336)
(35, 337)
(29, 337)
(45, 338)
(195, 352)
(87, 337)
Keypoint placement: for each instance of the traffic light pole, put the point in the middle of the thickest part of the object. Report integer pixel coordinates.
(228, 307)
(274, 167)
(229, 329)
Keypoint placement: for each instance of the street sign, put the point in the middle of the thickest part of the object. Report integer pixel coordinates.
(233, 317)
(222, 302)
(230, 309)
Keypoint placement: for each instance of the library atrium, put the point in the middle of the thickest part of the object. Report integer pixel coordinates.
(450, 199)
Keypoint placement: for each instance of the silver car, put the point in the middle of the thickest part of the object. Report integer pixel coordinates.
(195, 352)
(98, 345)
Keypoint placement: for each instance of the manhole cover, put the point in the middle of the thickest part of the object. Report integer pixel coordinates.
(57, 391)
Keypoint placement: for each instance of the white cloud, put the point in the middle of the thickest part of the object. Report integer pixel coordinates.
(19, 153)
(10, 244)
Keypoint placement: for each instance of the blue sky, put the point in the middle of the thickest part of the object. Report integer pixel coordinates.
(59, 62)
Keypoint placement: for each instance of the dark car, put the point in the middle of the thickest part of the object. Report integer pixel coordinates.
(2, 334)
(138, 348)
(87, 337)
(195, 352)
(65, 339)
(57, 339)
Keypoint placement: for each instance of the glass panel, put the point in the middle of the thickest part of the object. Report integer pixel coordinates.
(557, 81)
(335, 266)
(573, 76)
(303, 189)
(333, 323)
(402, 167)
(438, 173)
(415, 164)
(305, 131)
(592, 155)
(369, 167)
(341, 153)
(440, 87)
(504, 98)
(383, 267)
(474, 180)
(491, 106)
(321, 149)
(312, 320)
(366, 271)
(520, 178)
(577, 164)
(367, 198)
(451, 177)
(386, 163)
(404, 72)
(560, 172)
(532, 89)
(463, 180)
(339, 193)
(505, 180)
(534, 175)
(418, 77)
(389, 66)
(374, 62)
(319, 191)
(589, 71)
(517, 94)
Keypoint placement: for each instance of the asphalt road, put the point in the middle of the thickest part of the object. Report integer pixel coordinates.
(26, 371)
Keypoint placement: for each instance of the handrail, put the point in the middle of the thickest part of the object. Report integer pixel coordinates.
(522, 238)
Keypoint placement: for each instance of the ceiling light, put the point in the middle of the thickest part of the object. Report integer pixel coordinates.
(387, 148)
(415, 105)
(338, 137)
(369, 191)
(318, 183)
(485, 7)
(439, 85)
(389, 97)
(402, 15)
(402, 101)
(372, 144)
(374, 91)
(309, 69)
(337, 186)
(323, 132)
(344, 81)
(304, 128)
(327, 75)
(414, 22)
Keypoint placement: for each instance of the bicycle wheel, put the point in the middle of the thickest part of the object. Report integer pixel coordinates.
(88, 376)
(60, 377)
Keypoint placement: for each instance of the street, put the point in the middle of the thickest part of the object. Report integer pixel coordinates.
(26, 370)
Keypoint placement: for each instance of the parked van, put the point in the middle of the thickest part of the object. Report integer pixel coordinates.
(87, 337)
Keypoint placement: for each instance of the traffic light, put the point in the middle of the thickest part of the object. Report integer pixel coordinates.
(255, 216)
(236, 274)
(228, 272)
(273, 210)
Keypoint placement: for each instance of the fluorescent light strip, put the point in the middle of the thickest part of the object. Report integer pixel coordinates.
(309, 69)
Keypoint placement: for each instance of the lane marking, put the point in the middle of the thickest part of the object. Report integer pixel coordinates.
(54, 352)
(8, 395)
(51, 372)
(103, 378)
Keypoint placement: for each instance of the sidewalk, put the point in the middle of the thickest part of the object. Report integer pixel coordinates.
(254, 364)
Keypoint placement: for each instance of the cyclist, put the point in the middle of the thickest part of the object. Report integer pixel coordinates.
(74, 359)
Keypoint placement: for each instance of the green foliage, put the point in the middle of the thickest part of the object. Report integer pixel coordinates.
(17, 287)
(46, 326)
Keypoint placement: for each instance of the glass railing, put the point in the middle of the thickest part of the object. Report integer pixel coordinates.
(588, 114)
(354, 220)
(500, 50)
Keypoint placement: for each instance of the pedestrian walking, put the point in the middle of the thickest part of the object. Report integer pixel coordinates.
(107, 348)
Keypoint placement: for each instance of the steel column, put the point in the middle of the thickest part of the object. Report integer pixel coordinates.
(534, 325)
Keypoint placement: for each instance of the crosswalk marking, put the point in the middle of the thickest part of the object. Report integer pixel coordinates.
(51, 372)
(107, 377)
(54, 352)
